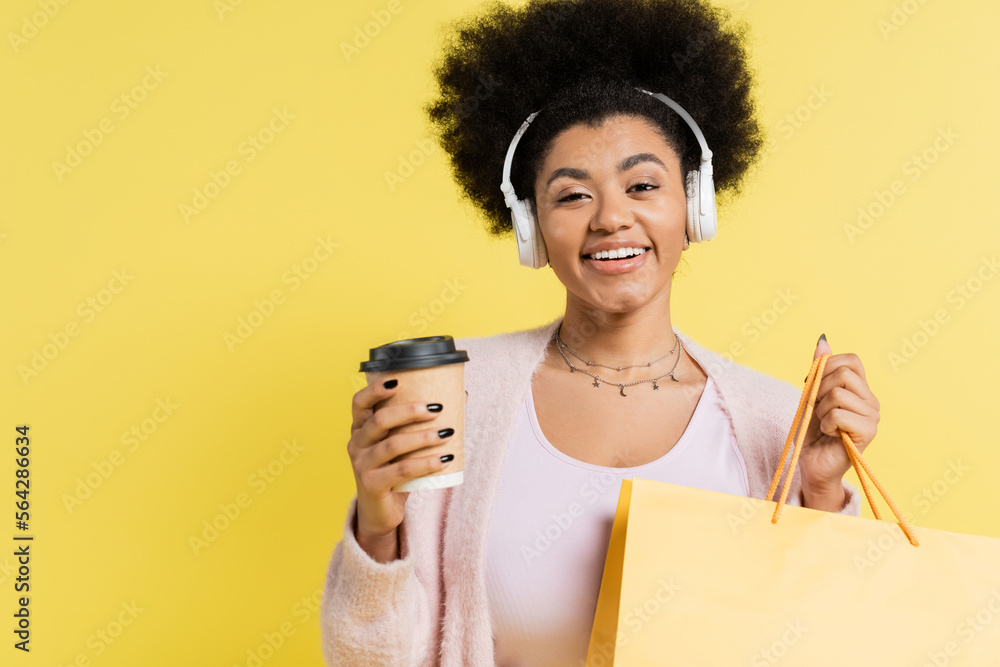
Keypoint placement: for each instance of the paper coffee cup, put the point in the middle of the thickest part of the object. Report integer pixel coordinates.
(429, 370)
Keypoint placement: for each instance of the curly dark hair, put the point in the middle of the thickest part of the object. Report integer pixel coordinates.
(581, 61)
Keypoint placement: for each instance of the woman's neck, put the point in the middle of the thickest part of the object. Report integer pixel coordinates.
(618, 338)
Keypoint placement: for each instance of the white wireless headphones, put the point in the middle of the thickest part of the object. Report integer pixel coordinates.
(699, 186)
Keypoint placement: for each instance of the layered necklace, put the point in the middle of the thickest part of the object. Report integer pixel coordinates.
(563, 348)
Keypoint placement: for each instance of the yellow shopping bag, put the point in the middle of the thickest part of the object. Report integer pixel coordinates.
(696, 577)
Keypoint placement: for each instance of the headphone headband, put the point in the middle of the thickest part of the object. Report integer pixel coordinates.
(510, 198)
(706, 154)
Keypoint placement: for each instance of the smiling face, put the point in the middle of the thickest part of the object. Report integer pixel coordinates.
(616, 185)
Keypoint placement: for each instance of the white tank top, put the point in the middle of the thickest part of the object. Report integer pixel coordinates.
(551, 522)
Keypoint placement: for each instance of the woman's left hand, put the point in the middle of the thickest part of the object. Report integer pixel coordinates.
(844, 403)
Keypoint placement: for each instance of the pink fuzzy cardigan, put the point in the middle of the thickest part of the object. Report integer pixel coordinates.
(430, 606)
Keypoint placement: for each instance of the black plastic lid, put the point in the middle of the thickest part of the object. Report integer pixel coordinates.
(413, 353)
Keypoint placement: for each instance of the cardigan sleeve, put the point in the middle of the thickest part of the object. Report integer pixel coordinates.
(852, 500)
(852, 504)
(374, 613)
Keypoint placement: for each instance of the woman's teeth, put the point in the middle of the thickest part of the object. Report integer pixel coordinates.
(620, 253)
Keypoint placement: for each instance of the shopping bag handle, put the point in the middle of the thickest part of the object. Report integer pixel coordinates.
(807, 401)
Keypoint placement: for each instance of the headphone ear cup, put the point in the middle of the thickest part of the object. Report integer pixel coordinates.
(692, 188)
(540, 251)
(530, 245)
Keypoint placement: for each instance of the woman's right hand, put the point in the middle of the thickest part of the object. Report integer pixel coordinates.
(376, 471)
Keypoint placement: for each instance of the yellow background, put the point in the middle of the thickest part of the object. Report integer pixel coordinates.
(323, 176)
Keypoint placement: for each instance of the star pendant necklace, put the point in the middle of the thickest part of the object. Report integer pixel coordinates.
(561, 346)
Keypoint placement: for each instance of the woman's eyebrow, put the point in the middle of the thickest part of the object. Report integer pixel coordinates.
(638, 158)
(624, 165)
(568, 172)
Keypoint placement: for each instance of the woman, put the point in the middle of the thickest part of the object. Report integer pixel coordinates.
(506, 568)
